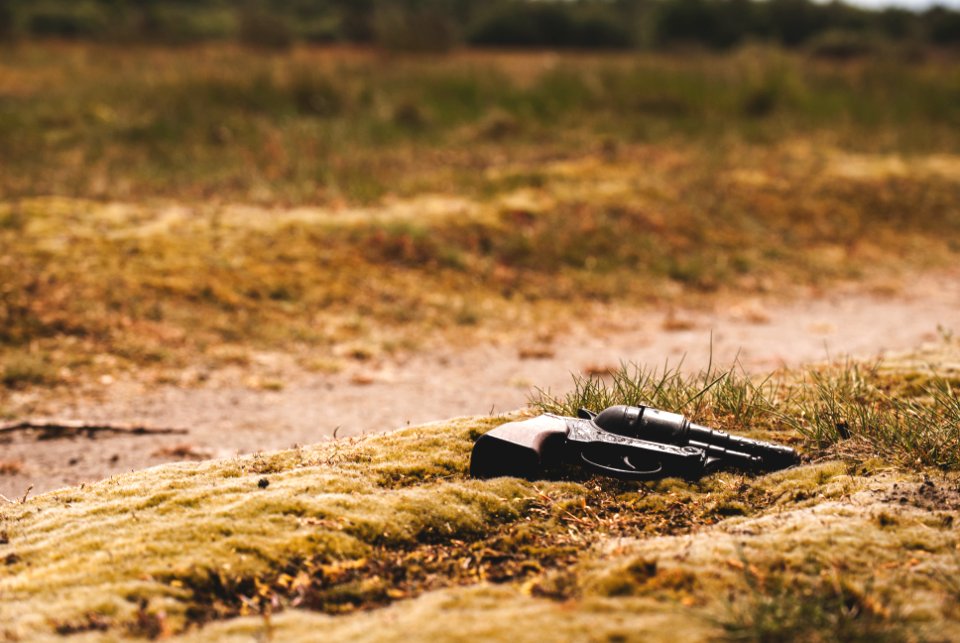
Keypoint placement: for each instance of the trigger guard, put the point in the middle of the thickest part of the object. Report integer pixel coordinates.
(626, 474)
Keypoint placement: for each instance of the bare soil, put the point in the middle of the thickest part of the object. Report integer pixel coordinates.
(225, 415)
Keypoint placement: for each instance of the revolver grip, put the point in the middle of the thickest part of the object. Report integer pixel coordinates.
(519, 449)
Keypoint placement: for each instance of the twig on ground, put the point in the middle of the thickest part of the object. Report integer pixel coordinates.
(57, 428)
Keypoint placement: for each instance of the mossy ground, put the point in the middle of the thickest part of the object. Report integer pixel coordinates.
(388, 537)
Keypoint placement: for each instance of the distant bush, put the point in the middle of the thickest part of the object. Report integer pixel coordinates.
(705, 22)
(175, 25)
(600, 31)
(942, 26)
(721, 24)
(841, 45)
(73, 20)
(354, 19)
(259, 28)
(318, 31)
(170, 23)
(6, 20)
(897, 23)
(439, 25)
(796, 22)
(415, 28)
(551, 24)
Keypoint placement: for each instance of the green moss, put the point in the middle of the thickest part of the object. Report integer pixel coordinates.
(811, 573)
(181, 523)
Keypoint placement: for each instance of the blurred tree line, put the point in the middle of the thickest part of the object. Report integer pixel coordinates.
(437, 25)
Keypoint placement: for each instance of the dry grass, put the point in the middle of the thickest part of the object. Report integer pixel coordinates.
(164, 207)
(905, 413)
(163, 285)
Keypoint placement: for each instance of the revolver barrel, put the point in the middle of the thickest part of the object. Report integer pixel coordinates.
(672, 428)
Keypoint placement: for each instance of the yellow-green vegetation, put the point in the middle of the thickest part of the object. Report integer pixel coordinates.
(163, 206)
(388, 537)
(197, 206)
(161, 284)
(906, 416)
(223, 123)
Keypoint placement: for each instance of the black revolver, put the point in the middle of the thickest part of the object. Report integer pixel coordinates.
(627, 442)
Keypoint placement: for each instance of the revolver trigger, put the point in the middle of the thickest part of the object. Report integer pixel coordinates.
(584, 414)
(712, 464)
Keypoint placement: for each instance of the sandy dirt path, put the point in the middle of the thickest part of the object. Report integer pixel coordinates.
(224, 420)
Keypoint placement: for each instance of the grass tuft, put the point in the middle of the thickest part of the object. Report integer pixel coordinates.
(785, 607)
(853, 408)
(728, 397)
(857, 410)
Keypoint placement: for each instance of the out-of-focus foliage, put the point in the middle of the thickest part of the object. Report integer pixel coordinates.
(470, 188)
(435, 25)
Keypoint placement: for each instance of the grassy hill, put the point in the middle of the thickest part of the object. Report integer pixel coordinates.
(386, 537)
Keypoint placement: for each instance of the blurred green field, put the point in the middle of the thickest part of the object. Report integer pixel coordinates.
(164, 208)
(317, 125)
(160, 204)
